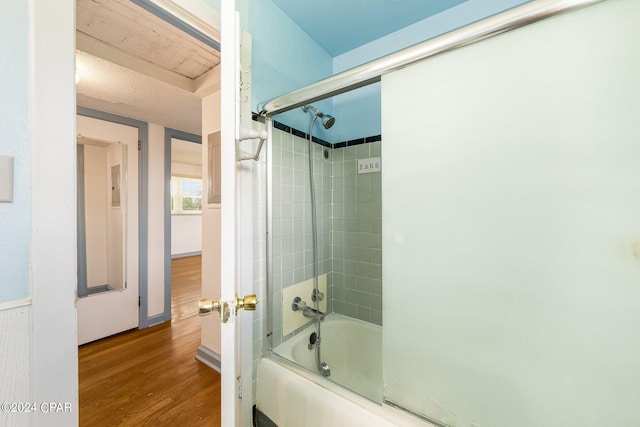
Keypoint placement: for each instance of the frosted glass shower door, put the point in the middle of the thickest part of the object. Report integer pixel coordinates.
(511, 226)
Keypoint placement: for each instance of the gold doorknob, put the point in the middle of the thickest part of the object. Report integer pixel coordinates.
(207, 306)
(248, 303)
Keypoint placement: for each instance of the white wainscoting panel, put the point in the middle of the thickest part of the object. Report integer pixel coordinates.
(15, 371)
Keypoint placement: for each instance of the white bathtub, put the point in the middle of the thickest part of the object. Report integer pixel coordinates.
(352, 349)
(293, 396)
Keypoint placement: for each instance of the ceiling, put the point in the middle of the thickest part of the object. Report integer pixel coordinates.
(132, 63)
(186, 152)
(340, 26)
(128, 27)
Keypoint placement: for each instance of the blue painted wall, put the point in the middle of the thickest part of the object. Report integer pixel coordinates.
(451, 19)
(340, 26)
(284, 58)
(358, 113)
(15, 218)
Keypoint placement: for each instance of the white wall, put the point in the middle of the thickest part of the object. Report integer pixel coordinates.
(186, 234)
(210, 230)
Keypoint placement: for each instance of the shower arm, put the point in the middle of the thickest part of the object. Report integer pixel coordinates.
(246, 134)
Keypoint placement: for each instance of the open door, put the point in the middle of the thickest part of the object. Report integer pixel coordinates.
(107, 176)
(230, 303)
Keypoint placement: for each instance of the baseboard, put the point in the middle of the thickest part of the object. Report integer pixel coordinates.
(186, 254)
(157, 319)
(209, 358)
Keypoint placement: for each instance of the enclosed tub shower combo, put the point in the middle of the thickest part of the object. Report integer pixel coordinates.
(476, 262)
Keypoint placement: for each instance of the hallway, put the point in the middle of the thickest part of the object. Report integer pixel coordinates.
(151, 376)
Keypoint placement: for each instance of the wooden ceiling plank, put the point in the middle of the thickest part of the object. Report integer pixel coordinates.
(95, 47)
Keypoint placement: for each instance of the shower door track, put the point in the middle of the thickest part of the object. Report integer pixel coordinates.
(372, 72)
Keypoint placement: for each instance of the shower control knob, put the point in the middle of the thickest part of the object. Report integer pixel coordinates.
(249, 303)
(298, 304)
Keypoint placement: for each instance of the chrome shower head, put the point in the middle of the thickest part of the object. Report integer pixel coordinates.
(327, 120)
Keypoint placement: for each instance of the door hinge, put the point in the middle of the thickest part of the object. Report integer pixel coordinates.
(139, 301)
(239, 387)
(139, 145)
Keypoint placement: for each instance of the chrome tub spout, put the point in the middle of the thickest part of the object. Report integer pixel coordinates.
(307, 311)
(313, 313)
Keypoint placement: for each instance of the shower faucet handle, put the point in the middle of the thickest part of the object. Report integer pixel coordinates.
(298, 304)
(316, 295)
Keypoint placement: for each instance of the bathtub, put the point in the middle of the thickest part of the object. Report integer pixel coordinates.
(351, 347)
(291, 393)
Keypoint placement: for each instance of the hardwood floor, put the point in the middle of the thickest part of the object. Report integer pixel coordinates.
(150, 376)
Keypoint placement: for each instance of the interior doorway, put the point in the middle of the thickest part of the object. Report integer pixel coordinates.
(137, 60)
(185, 197)
(183, 202)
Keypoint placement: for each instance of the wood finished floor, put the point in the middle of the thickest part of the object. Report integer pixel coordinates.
(150, 377)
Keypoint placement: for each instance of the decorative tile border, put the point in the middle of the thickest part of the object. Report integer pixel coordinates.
(358, 141)
(288, 129)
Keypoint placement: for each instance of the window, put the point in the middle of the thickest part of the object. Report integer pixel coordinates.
(186, 195)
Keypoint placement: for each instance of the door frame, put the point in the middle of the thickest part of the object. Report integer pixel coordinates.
(143, 197)
(169, 134)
